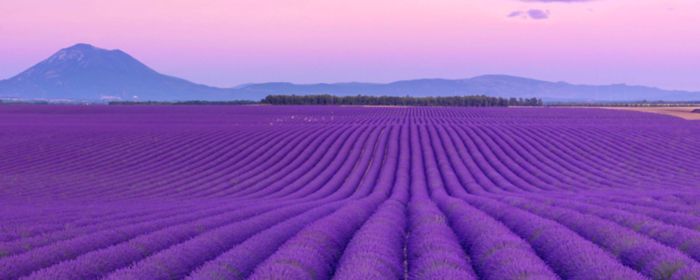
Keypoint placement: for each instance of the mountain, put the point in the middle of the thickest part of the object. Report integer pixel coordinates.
(491, 85)
(84, 72)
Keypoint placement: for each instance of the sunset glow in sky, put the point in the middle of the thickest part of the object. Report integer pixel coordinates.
(229, 42)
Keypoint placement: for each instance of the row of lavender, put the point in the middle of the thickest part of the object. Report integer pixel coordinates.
(347, 193)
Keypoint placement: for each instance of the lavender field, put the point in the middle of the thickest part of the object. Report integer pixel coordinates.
(274, 192)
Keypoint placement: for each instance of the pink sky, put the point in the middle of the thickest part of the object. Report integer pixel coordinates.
(225, 43)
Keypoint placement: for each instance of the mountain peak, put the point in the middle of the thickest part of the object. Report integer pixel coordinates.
(78, 53)
(81, 46)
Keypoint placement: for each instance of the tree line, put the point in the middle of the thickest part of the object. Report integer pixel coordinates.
(461, 101)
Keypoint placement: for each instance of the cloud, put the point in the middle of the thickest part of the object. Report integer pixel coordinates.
(535, 14)
(516, 14)
(538, 14)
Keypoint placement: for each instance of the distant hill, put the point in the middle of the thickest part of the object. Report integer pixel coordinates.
(84, 72)
(491, 85)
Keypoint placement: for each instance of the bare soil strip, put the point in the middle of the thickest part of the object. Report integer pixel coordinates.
(679, 112)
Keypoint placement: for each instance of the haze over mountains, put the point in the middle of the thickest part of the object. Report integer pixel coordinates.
(85, 73)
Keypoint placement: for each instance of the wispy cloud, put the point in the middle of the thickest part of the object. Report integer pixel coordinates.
(539, 14)
(535, 14)
(516, 14)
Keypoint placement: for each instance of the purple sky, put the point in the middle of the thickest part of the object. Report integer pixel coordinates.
(229, 42)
